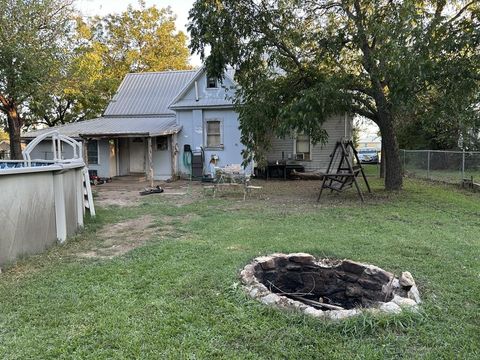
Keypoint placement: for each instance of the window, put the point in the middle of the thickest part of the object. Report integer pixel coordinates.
(213, 133)
(162, 143)
(92, 152)
(211, 83)
(302, 147)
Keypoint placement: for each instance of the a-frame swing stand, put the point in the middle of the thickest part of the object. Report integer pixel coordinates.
(345, 175)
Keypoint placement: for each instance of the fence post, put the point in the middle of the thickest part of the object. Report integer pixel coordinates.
(463, 164)
(428, 164)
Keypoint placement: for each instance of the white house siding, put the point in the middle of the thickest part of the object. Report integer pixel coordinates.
(103, 166)
(320, 155)
(44, 151)
(193, 134)
(280, 146)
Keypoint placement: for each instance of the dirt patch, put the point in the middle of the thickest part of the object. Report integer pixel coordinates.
(116, 198)
(118, 239)
(125, 192)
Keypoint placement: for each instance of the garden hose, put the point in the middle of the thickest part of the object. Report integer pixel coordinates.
(187, 161)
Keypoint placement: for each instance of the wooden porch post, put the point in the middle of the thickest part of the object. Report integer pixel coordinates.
(173, 155)
(150, 161)
(85, 151)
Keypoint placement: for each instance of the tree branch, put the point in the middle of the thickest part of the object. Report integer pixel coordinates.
(460, 12)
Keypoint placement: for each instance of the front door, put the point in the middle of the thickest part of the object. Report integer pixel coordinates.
(137, 155)
(162, 158)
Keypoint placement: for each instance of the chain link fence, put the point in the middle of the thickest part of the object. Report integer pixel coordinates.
(440, 165)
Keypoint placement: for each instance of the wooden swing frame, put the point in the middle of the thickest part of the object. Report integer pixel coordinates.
(346, 173)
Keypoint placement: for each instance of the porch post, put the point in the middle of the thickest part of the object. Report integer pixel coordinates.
(150, 161)
(173, 155)
(85, 151)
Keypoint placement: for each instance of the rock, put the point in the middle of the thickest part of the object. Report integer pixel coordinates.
(378, 274)
(406, 280)
(248, 275)
(390, 308)
(341, 314)
(266, 262)
(302, 258)
(352, 267)
(404, 302)
(314, 312)
(270, 299)
(395, 283)
(254, 292)
(414, 294)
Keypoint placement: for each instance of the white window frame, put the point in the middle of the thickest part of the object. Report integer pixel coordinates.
(295, 138)
(205, 137)
(98, 152)
(206, 83)
(157, 143)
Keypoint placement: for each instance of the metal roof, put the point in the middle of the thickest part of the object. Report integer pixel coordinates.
(148, 93)
(115, 126)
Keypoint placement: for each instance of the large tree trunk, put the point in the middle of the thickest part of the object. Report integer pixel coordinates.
(382, 160)
(392, 162)
(14, 130)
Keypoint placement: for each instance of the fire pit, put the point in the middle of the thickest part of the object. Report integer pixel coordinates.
(335, 289)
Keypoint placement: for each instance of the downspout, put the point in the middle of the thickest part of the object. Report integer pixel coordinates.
(345, 128)
(196, 91)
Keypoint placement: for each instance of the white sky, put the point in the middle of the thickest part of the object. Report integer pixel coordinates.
(103, 7)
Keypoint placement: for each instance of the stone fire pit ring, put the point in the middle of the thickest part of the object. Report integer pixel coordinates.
(327, 288)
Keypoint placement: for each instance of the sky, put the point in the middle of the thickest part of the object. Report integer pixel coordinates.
(103, 7)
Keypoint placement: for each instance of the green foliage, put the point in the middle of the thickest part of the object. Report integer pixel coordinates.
(3, 135)
(385, 60)
(105, 49)
(33, 37)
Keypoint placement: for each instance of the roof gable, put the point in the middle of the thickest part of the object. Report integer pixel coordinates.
(148, 93)
(195, 94)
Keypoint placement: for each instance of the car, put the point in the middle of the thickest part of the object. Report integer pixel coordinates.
(368, 156)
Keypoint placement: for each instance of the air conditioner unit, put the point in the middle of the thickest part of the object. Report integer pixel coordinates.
(300, 156)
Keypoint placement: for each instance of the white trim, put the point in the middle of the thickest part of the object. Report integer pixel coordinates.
(205, 134)
(98, 152)
(187, 86)
(207, 88)
(310, 157)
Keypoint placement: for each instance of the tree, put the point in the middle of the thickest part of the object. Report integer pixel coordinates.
(32, 34)
(300, 61)
(104, 50)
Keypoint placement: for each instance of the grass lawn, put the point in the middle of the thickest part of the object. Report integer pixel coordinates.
(177, 295)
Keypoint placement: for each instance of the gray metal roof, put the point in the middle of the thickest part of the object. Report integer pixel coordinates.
(115, 126)
(148, 93)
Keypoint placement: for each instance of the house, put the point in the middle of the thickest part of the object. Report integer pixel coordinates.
(370, 140)
(4, 150)
(156, 118)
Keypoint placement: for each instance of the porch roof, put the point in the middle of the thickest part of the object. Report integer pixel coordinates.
(115, 127)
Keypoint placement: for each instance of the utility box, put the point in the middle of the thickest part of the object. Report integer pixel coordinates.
(197, 164)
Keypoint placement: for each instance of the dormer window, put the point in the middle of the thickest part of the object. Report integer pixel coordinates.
(211, 82)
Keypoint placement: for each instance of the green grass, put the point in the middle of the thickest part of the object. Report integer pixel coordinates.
(178, 297)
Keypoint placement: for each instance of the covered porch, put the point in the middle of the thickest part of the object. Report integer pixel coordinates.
(121, 146)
